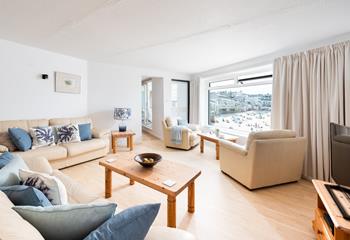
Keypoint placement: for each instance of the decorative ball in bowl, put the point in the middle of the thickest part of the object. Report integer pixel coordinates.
(148, 160)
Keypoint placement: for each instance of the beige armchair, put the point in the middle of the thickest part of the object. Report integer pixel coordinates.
(269, 158)
(190, 138)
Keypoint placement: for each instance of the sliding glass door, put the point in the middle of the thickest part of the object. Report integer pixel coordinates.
(180, 101)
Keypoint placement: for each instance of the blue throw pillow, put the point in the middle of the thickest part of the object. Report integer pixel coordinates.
(21, 195)
(73, 222)
(9, 175)
(132, 223)
(85, 131)
(5, 158)
(20, 138)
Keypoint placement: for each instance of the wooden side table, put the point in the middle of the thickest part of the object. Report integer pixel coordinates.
(129, 139)
(214, 139)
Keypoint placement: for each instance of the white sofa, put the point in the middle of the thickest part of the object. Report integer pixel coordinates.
(269, 158)
(14, 227)
(64, 155)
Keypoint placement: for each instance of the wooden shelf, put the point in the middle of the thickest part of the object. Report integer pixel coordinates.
(325, 204)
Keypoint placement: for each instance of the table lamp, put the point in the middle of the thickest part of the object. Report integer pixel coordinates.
(122, 114)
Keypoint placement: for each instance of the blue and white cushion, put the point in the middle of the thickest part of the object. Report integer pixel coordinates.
(51, 186)
(68, 133)
(42, 136)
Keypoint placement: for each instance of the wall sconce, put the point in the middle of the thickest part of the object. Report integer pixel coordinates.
(44, 76)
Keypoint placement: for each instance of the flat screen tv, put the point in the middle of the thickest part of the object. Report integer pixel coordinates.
(340, 167)
(340, 154)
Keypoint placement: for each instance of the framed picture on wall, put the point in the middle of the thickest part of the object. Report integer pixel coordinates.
(67, 83)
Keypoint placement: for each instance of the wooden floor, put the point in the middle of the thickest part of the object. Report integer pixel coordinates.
(224, 208)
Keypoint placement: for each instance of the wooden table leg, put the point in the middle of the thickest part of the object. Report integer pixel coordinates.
(131, 143)
(171, 211)
(191, 197)
(132, 182)
(108, 183)
(128, 142)
(114, 148)
(217, 151)
(202, 145)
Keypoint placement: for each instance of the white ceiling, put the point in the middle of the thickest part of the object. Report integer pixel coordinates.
(185, 36)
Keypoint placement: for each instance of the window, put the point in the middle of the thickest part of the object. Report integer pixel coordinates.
(180, 99)
(243, 103)
(147, 104)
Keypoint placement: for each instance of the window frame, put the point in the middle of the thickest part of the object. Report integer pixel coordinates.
(238, 83)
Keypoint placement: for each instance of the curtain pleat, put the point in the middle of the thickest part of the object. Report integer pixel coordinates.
(310, 90)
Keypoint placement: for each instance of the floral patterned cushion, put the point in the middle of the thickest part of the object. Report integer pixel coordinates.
(68, 133)
(50, 186)
(42, 136)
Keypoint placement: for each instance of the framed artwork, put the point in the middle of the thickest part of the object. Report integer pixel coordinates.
(67, 83)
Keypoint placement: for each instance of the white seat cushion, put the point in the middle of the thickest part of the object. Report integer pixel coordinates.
(75, 149)
(50, 153)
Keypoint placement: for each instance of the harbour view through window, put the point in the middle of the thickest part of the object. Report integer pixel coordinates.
(242, 107)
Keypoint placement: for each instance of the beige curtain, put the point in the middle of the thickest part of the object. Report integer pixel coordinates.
(310, 90)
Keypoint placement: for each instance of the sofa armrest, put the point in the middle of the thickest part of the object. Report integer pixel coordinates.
(100, 133)
(233, 147)
(3, 149)
(77, 193)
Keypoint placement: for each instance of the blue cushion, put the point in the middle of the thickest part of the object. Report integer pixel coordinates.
(20, 138)
(132, 223)
(5, 158)
(27, 196)
(9, 175)
(85, 131)
(73, 222)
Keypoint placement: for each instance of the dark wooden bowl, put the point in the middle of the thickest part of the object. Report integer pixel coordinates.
(142, 159)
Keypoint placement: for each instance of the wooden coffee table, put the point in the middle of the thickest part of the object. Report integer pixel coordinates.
(154, 177)
(213, 138)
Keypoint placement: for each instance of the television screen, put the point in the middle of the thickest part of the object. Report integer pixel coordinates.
(340, 154)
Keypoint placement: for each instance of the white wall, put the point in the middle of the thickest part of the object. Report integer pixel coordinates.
(24, 95)
(113, 85)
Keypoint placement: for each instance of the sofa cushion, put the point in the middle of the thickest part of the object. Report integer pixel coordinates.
(170, 122)
(72, 222)
(21, 195)
(39, 164)
(6, 141)
(51, 186)
(42, 136)
(51, 153)
(132, 223)
(85, 131)
(9, 174)
(5, 158)
(20, 138)
(13, 226)
(75, 149)
(68, 133)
